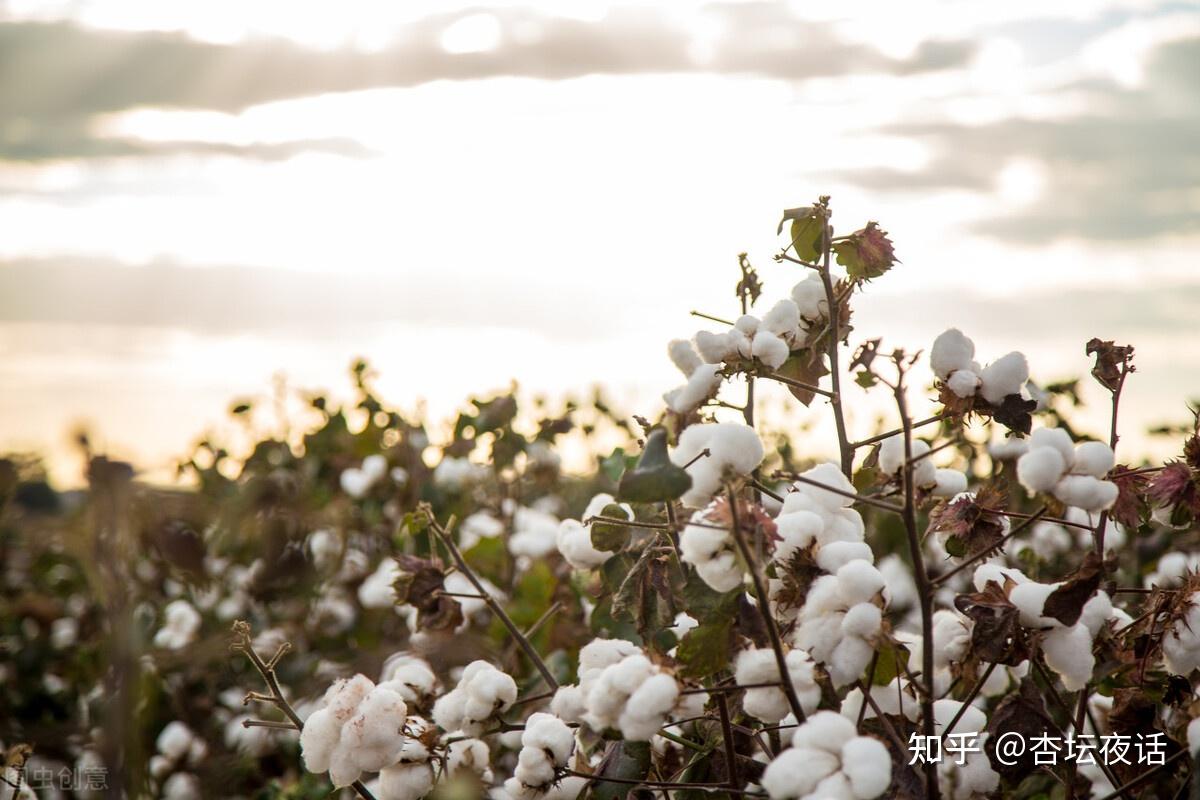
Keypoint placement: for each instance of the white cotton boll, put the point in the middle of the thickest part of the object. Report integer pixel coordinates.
(647, 709)
(684, 356)
(963, 382)
(1040, 469)
(891, 459)
(900, 586)
(549, 733)
(405, 782)
(1068, 651)
(534, 768)
(844, 525)
(376, 591)
(951, 638)
(747, 324)
(1047, 540)
(1056, 438)
(1093, 458)
(770, 704)
(255, 742)
(828, 475)
(858, 582)
(739, 344)
(601, 653)
(325, 547)
(809, 297)
(409, 676)
(797, 530)
(448, 711)
(835, 555)
(951, 351)
(795, 500)
(863, 620)
(769, 349)
(733, 448)
(181, 623)
(318, 739)
(373, 736)
(995, 573)
(949, 482)
(471, 756)
(375, 466)
(972, 719)
(849, 659)
(535, 533)
(782, 319)
(1004, 376)
(1181, 643)
(714, 348)
(1193, 737)
(1007, 449)
(891, 454)
(174, 740)
(575, 545)
(867, 765)
(181, 786)
(569, 703)
(825, 730)
(1096, 612)
(796, 771)
(1030, 600)
(1086, 492)
(477, 527)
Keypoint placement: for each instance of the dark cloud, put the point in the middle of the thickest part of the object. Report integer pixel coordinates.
(55, 77)
(1128, 169)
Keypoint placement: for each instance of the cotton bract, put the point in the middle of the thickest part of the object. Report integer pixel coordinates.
(828, 759)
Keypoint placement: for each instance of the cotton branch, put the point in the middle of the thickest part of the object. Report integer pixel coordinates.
(242, 643)
(492, 603)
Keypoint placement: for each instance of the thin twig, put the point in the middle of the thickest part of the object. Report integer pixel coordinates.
(727, 740)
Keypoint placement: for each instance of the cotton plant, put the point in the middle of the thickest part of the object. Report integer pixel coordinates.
(1072, 473)
(828, 758)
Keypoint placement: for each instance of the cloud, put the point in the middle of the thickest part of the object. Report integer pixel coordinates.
(1128, 169)
(57, 77)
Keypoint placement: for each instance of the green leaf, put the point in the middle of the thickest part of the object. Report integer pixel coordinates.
(615, 464)
(655, 479)
(865, 379)
(703, 602)
(705, 649)
(628, 761)
(608, 536)
(806, 231)
(892, 657)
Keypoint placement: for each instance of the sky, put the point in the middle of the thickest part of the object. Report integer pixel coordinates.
(199, 200)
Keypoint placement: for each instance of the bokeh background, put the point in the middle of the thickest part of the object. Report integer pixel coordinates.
(202, 200)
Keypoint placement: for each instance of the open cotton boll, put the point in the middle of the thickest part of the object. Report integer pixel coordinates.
(770, 704)
(535, 533)
(410, 677)
(1068, 651)
(469, 756)
(768, 348)
(1008, 449)
(783, 318)
(1086, 492)
(832, 556)
(1057, 438)
(828, 475)
(796, 772)
(711, 550)
(809, 297)
(181, 623)
(797, 530)
(867, 765)
(1004, 376)
(1181, 642)
(892, 459)
(715, 348)
(859, 582)
(370, 740)
(1040, 469)
(949, 482)
(951, 351)
(828, 759)
(1030, 600)
(963, 382)
(405, 781)
(701, 385)
(684, 356)
(734, 449)
(575, 538)
(648, 708)
(1093, 458)
(482, 692)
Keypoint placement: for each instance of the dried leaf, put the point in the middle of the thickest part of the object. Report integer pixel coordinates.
(1065, 603)
(968, 523)
(997, 635)
(1112, 362)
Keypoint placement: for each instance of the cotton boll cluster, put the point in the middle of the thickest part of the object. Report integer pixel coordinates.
(769, 703)
(813, 517)
(357, 481)
(358, 729)
(769, 340)
(1181, 642)
(181, 623)
(1073, 474)
(575, 538)
(829, 759)
(708, 545)
(1067, 649)
(411, 777)
(618, 688)
(570, 702)
(838, 622)
(953, 361)
(546, 747)
(734, 449)
(975, 776)
(482, 692)
(703, 380)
